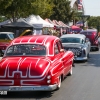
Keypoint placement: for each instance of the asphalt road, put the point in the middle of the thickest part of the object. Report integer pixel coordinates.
(84, 84)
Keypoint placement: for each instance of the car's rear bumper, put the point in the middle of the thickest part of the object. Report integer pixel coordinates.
(97, 46)
(28, 88)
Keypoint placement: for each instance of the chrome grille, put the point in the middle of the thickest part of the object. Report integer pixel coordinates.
(76, 51)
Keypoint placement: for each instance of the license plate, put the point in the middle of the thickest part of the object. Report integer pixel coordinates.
(3, 92)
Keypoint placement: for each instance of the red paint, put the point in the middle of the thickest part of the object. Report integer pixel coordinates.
(33, 70)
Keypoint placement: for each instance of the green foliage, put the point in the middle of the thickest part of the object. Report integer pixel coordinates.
(14, 8)
(21, 8)
(43, 8)
(53, 9)
(2, 18)
(62, 11)
(94, 22)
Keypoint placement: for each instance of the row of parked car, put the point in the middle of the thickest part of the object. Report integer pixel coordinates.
(41, 62)
(71, 41)
(81, 44)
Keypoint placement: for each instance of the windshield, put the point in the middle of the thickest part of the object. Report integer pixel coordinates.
(71, 40)
(11, 36)
(26, 49)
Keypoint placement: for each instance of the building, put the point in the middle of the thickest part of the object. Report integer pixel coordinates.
(77, 5)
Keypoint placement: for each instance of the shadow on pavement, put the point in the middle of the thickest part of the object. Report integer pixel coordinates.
(34, 95)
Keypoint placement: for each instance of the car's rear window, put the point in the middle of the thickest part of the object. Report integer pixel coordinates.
(26, 49)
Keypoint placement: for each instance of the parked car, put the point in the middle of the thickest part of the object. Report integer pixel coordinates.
(78, 44)
(35, 63)
(5, 39)
(92, 34)
(26, 32)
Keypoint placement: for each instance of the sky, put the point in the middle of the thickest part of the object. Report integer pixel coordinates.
(91, 7)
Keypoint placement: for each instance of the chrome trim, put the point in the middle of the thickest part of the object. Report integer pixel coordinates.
(94, 46)
(80, 58)
(29, 88)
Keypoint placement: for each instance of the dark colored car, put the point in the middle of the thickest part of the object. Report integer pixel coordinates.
(92, 34)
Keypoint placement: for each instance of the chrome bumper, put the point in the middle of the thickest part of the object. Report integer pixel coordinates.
(94, 46)
(28, 88)
(80, 58)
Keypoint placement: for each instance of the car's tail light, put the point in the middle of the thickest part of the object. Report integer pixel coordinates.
(48, 81)
(48, 77)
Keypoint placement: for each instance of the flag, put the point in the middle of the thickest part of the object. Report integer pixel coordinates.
(79, 23)
(79, 4)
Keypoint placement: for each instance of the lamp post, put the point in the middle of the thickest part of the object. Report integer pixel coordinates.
(84, 19)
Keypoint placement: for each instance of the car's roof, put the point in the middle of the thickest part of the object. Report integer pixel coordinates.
(73, 35)
(6, 33)
(39, 39)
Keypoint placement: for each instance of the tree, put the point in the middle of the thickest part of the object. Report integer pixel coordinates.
(2, 18)
(14, 9)
(43, 8)
(94, 22)
(62, 11)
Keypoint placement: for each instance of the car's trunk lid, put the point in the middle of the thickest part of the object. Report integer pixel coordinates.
(23, 67)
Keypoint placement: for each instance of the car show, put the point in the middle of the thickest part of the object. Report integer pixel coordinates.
(49, 50)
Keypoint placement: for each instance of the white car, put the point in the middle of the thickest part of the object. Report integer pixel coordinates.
(78, 44)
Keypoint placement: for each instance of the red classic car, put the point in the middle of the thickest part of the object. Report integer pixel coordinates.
(34, 63)
(92, 35)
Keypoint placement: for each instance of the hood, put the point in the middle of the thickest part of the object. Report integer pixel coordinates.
(24, 67)
(76, 45)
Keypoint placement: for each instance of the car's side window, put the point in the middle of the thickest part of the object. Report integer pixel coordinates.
(56, 49)
(3, 36)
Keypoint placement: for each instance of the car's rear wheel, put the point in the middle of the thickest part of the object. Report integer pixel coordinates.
(59, 83)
